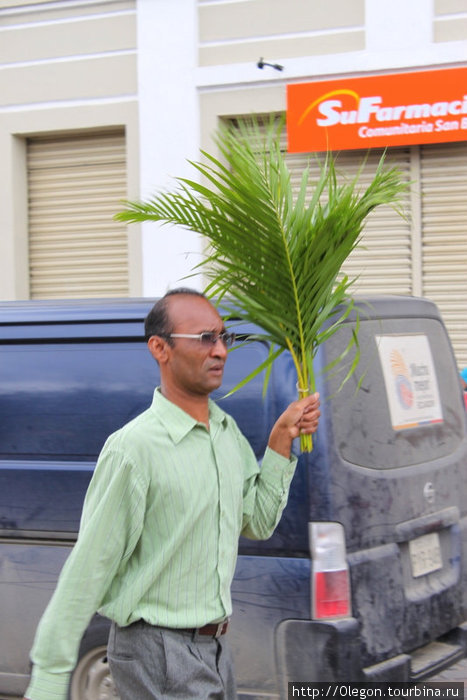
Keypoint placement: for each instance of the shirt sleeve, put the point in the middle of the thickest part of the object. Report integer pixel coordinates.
(266, 491)
(103, 545)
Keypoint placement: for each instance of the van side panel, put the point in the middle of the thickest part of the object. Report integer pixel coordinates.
(28, 575)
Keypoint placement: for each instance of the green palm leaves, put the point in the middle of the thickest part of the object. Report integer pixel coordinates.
(277, 254)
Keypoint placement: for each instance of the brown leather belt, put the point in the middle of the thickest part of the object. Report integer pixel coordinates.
(214, 629)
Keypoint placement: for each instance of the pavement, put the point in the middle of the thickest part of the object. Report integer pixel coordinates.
(454, 674)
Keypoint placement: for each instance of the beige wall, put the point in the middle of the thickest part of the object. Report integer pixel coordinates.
(316, 41)
(450, 20)
(244, 31)
(64, 69)
(90, 64)
(330, 39)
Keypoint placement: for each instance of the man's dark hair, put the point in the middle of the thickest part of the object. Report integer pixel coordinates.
(157, 322)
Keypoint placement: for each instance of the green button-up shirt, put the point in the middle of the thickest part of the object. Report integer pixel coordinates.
(159, 532)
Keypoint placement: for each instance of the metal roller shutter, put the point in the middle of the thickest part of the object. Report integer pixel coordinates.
(383, 260)
(444, 243)
(76, 184)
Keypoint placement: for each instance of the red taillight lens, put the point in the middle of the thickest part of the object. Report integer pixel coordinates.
(330, 583)
(331, 594)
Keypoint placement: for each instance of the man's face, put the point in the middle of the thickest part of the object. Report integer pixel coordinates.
(192, 367)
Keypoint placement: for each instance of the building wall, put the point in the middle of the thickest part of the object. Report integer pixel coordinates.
(238, 32)
(393, 37)
(449, 20)
(166, 71)
(168, 129)
(367, 38)
(66, 67)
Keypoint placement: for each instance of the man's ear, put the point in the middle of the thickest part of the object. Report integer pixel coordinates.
(159, 348)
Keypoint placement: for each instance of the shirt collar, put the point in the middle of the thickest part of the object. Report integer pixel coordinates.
(177, 422)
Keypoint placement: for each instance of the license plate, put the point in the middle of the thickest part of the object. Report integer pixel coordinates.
(425, 554)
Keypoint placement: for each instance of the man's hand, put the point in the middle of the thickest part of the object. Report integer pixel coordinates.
(300, 417)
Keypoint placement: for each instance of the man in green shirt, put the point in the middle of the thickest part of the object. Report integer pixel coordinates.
(171, 493)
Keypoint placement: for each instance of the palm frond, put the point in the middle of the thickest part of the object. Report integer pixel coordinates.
(275, 254)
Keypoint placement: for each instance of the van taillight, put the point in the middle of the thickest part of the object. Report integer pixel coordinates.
(330, 585)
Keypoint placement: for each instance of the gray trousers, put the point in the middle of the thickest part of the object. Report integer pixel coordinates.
(155, 663)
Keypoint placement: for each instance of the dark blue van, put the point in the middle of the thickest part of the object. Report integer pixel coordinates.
(365, 578)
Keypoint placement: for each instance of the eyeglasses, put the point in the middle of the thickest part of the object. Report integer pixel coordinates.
(208, 337)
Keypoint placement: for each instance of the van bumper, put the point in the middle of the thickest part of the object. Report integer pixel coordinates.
(312, 651)
(308, 650)
(424, 662)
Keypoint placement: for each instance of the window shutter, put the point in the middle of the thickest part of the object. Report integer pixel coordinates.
(76, 184)
(444, 241)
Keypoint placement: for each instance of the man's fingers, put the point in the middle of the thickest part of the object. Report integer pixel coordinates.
(308, 419)
(302, 414)
(309, 404)
(309, 401)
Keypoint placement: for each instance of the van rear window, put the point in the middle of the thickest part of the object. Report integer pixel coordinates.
(408, 409)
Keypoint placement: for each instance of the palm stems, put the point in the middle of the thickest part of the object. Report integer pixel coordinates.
(276, 254)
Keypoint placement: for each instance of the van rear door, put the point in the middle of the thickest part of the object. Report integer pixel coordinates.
(393, 462)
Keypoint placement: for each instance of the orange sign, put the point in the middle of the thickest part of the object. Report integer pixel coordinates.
(378, 111)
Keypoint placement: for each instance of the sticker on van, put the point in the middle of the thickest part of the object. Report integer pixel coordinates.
(410, 380)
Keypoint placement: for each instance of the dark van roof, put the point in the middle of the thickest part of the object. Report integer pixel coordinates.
(105, 309)
(108, 309)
